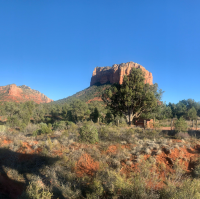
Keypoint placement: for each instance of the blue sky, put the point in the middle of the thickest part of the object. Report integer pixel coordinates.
(53, 46)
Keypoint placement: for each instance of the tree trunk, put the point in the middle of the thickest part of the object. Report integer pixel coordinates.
(129, 116)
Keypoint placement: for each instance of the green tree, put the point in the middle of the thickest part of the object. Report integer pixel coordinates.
(13, 121)
(79, 110)
(181, 125)
(95, 115)
(192, 114)
(133, 97)
(65, 109)
(109, 117)
(11, 108)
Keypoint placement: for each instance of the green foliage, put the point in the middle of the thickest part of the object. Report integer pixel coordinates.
(39, 113)
(3, 128)
(192, 114)
(122, 121)
(181, 125)
(61, 125)
(88, 133)
(49, 125)
(189, 109)
(43, 129)
(78, 111)
(109, 117)
(188, 189)
(160, 112)
(132, 98)
(95, 115)
(13, 121)
(71, 126)
(196, 171)
(34, 191)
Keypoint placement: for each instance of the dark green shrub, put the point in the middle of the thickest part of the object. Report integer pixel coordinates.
(49, 125)
(88, 133)
(196, 171)
(71, 126)
(181, 125)
(61, 125)
(122, 121)
(43, 129)
(182, 135)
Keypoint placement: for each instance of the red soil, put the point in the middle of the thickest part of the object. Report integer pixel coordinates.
(185, 158)
(86, 165)
(94, 99)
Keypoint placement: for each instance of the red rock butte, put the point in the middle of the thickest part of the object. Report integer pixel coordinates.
(115, 74)
(22, 94)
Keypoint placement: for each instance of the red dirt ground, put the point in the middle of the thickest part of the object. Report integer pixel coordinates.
(185, 158)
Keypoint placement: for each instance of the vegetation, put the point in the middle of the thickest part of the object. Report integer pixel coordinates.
(181, 125)
(132, 98)
(100, 161)
(80, 148)
(88, 133)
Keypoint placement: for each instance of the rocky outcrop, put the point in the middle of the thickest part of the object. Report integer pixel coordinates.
(22, 93)
(115, 74)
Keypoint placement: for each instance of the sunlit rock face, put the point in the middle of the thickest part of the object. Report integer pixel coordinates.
(22, 93)
(115, 74)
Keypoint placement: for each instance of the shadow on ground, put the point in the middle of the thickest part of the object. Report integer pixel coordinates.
(24, 164)
(192, 133)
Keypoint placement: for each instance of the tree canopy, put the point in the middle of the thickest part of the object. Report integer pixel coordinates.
(133, 97)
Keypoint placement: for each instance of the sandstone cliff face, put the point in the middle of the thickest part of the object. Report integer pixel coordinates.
(22, 94)
(115, 74)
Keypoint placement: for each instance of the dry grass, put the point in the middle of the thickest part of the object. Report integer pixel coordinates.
(126, 163)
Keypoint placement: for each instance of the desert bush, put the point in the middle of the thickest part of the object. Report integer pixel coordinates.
(122, 121)
(196, 171)
(30, 128)
(103, 132)
(88, 133)
(188, 189)
(43, 129)
(71, 126)
(109, 133)
(116, 186)
(35, 191)
(182, 135)
(181, 125)
(3, 128)
(61, 125)
(138, 130)
(157, 125)
(49, 125)
(96, 189)
(125, 135)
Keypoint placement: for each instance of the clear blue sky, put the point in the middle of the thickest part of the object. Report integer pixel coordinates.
(53, 46)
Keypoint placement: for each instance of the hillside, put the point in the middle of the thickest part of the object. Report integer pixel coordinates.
(14, 93)
(92, 93)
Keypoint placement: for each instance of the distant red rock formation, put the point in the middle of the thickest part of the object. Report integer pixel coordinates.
(115, 74)
(22, 94)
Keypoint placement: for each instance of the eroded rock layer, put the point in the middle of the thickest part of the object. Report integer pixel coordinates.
(22, 93)
(115, 74)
